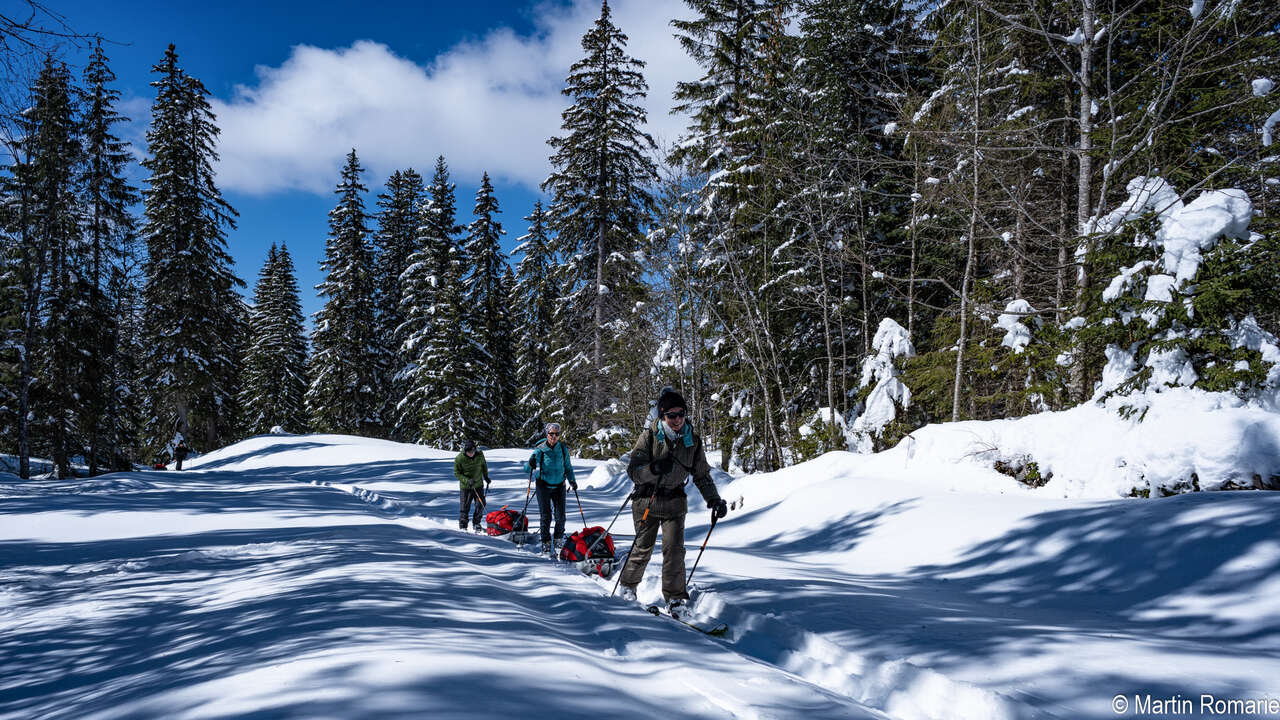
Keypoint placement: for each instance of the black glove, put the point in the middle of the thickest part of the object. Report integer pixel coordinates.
(719, 508)
(573, 484)
(661, 466)
(533, 461)
(486, 483)
(643, 490)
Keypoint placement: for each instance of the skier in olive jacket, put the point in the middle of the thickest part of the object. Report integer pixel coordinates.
(473, 480)
(664, 456)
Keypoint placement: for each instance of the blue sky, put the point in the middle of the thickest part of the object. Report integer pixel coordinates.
(297, 85)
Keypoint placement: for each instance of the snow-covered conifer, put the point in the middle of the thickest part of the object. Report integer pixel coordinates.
(275, 363)
(489, 324)
(58, 314)
(342, 395)
(438, 348)
(533, 307)
(600, 183)
(1189, 280)
(111, 396)
(193, 314)
(395, 241)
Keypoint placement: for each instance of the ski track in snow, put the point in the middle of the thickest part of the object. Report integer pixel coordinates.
(892, 685)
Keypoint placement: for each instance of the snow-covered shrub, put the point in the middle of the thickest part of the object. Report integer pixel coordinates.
(823, 432)
(1009, 367)
(1024, 469)
(879, 419)
(1185, 282)
(606, 443)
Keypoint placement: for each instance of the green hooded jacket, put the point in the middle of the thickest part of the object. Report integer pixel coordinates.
(472, 472)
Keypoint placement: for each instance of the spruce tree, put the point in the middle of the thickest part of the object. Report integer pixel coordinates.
(275, 365)
(58, 317)
(737, 144)
(503, 344)
(193, 317)
(725, 39)
(533, 307)
(489, 323)
(110, 398)
(395, 241)
(342, 397)
(439, 347)
(600, 187)
(10, 324)
(290, 342)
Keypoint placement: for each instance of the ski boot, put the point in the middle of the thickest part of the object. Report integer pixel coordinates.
(678, 610)
(629, 593)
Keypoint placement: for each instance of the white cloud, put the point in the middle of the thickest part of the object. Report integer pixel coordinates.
(487, 105)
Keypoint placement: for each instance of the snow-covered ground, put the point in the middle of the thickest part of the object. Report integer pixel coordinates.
(324, 576)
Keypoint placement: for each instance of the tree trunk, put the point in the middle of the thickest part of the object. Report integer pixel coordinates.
(1064, 237)
(964, 319)
(34, 265)
(911, 235)
(973, 221)
(1084, 179)
(827, 342)
(1019, 261)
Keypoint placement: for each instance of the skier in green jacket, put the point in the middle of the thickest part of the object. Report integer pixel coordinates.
(473, 479)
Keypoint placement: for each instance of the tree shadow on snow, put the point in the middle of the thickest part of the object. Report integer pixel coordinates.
(169, 613)
(1115, 571)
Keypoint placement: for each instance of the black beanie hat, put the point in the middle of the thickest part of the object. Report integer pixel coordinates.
(470, 445)
(670, 399)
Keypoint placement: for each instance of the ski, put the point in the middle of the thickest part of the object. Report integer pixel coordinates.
(717, 629)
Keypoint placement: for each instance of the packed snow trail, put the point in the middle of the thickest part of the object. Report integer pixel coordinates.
(854, 586)
(226, 592)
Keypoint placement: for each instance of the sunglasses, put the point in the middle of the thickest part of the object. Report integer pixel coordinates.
(674, 415)
(553, 433)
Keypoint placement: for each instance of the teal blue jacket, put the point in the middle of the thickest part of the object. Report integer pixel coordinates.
(553, 463)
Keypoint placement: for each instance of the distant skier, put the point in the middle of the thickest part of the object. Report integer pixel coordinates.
(665, 455)
(473, 478)
(180, 453)
(551, 458)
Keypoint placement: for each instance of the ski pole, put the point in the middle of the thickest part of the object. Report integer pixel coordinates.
(714, 519)
(624, 565)
(528, 493)
(639, 525)
(584, 515)
(610, 528)
(476, 494)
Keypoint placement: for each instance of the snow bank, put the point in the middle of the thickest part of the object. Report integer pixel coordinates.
(608, 475)
(1176, 440)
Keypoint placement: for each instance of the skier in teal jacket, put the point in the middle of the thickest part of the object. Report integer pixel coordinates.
(551, 459)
